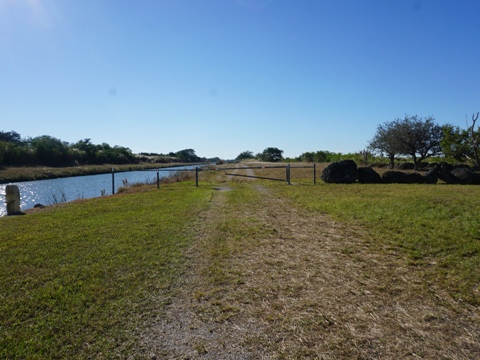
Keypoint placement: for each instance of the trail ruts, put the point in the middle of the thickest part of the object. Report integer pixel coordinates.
(308, 287)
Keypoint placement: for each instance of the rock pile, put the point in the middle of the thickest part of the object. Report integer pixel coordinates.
(346, 172)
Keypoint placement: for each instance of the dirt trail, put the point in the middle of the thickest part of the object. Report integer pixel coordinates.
(309, 288)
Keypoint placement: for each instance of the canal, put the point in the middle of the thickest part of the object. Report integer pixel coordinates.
(52, 191)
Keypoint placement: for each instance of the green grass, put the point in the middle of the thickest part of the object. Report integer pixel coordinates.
(437, 227)
(75, 281)
(78, 280)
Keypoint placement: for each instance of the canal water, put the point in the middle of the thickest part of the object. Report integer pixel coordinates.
(52, 191)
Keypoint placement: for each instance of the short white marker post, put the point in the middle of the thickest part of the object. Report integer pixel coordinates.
(13, 199)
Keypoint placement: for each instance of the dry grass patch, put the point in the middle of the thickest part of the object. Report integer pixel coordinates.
(270, 280)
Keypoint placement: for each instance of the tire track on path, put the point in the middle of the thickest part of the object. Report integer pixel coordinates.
(304, 286)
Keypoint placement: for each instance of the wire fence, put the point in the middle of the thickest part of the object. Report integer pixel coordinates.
(288, 169)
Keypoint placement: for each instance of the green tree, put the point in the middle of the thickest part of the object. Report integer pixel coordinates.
(84, 151)
(245, 155)
(3, 150)
(323, 156)
(462, 144)
(187, 155)
(413, 136)
(50, 151)
(307, 156)
(386, 141)
(11, 137)
(455, 143)
(419, 138)
(271, 154)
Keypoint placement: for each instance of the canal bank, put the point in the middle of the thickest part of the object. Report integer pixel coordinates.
(19, 174)
(64, 189)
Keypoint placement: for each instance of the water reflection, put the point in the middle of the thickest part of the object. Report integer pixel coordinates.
(48, 192)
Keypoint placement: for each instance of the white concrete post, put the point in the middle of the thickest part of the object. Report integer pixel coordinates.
(13, 199)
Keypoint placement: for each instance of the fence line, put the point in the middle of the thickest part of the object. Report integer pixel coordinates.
(198, 169)
(255, 177)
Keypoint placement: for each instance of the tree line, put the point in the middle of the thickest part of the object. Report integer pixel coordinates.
(49, 151)
(273, 154)
(411, 136)
(422, 138)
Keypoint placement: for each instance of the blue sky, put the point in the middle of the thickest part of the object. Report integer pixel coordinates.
(225, 76)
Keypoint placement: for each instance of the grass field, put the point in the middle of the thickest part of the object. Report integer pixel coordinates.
(438, 227)
(88, 279)
(75, 280)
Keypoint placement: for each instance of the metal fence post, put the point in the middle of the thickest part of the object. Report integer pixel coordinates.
(158, 179)
(113, 181)
(288, 174)
(196, 176)
(314, 173)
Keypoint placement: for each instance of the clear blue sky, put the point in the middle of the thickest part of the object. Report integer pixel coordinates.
(225, 76)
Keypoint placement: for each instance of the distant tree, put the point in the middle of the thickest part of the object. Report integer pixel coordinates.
(419, 138)
(413, 136)
(271, 154)
(462, 144)
(308, 156)
(474, 138)
(120, 154)
(326, 156)
(11, 137)
(386, 141)
(3, 150)
(84, 151)
(455, 143)
(321, 156)
(187, 155)
(50, 151)
(245, 155)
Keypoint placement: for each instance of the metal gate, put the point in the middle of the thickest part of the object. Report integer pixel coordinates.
(286, 167)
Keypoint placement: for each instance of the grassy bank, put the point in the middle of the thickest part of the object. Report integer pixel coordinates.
(76, 280)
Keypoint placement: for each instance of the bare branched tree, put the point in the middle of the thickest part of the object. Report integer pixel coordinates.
(474, 140)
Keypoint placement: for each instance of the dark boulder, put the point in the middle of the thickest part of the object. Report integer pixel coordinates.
(463, 175)
(422, 165)
(460, 174)
(444, 167)
(431, 177)
(399, 177)
(443, 171)
(366, 175)
(462, 166)
(394, 177)
(415, 178)
(476, 178)
(411, 166)
(340, 172)
(405, 166)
